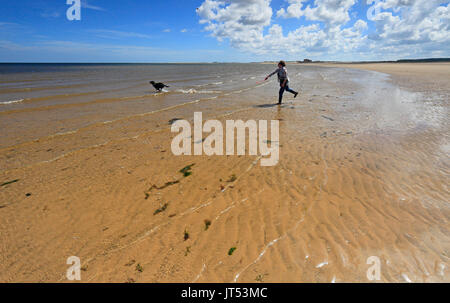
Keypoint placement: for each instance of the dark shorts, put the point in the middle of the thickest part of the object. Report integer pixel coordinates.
(282, 81)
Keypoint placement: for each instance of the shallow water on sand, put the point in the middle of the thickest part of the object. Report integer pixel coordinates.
(45, 99)
(363, 172)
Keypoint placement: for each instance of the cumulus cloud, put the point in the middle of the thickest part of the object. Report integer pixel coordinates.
(328, 11)
(240, 21)
(420, 21)
(332, 29)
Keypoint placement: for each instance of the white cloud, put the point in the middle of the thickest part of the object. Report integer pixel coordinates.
(241, 21)
(85, 4)
(167, 30)
(420, 21)
(251, 26)
(328, 11)
(184, 30)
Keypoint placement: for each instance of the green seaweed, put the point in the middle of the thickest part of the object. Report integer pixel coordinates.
(170, 183)
(161, 209)
(207, 224)
(186, 235)
(186, 171)
(260, 278)
(139, 268)
(328, 118)
(231, 251)
(10, 182)
(232, 178)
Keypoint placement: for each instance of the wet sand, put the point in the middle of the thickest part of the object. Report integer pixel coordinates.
(363, 172)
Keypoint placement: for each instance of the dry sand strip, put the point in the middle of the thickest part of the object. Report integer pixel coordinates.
(424, 75)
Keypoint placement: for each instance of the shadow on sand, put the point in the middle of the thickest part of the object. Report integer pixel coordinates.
(267, 105)
(283, 105)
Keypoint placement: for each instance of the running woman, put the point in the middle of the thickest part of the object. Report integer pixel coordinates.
(283, 79)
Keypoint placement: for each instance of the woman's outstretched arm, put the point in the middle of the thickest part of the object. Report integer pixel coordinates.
(276, 71)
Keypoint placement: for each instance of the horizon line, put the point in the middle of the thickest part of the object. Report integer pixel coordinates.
(441, 59)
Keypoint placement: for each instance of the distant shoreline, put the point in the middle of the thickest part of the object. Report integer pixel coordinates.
(426, 60)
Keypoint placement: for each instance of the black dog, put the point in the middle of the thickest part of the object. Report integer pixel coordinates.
(158, 86)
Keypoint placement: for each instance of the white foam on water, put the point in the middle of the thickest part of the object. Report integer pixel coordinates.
(407, 279)
(187, 91)
(441, 269)
(322, 264)
(194, 91)
(200, 274)
(11, 102)
(271, 243)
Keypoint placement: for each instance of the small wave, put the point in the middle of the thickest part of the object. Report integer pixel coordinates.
(322, 264)
(208, 84)
(202, 85)
(11, 102)
(194, 91)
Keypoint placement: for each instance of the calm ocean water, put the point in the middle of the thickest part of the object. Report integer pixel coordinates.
(38, 100)
(52, 84)
(42, 100)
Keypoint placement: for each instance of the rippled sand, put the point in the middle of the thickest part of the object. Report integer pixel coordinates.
(363, 172)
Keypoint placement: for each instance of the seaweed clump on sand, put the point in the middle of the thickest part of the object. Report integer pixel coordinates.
(170, 183)
(186, 171)
(9, 182)
(139, 268)
(232, 178)
(161, 209)
(186, 235)
(207, 224)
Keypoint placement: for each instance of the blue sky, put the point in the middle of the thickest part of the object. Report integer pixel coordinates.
(251, 30)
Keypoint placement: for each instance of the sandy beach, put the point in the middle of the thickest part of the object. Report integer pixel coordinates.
(363, 172)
